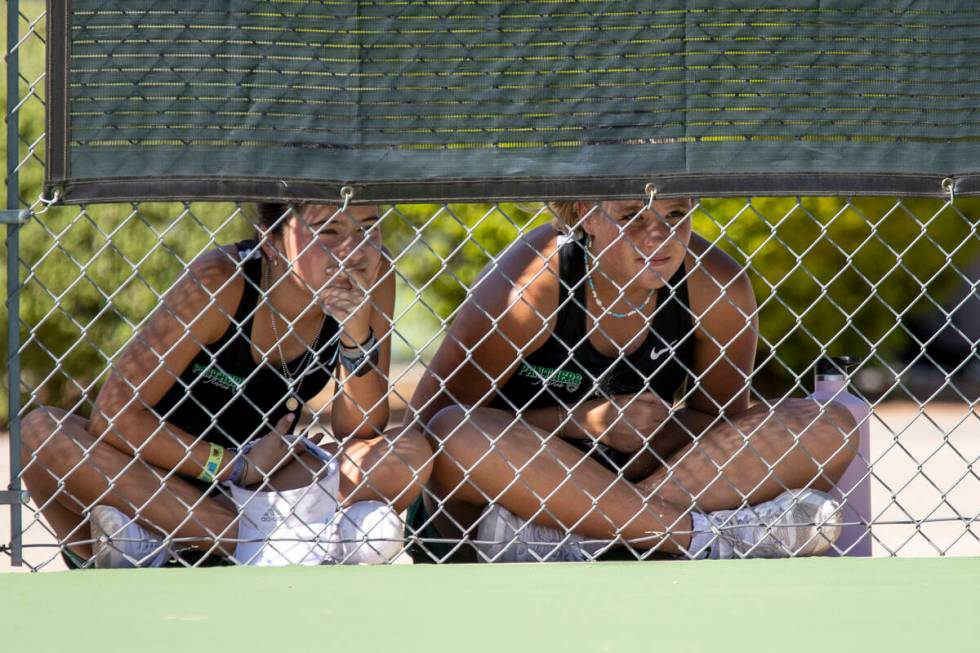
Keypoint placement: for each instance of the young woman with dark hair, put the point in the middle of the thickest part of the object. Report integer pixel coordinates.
(190, 441)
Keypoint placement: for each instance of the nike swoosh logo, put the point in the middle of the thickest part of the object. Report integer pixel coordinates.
(657, 353)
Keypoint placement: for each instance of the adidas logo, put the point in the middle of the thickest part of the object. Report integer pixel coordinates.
(272, 515)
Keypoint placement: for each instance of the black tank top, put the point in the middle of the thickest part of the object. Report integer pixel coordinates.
(567, 368)
(227, 398)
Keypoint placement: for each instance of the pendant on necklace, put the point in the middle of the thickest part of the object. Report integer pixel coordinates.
(292, 404)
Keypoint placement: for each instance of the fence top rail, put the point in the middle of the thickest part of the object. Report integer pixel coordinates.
(508, 100)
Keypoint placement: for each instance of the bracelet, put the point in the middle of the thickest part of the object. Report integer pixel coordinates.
(242, 473)
(216, 453)
(368, 353)
(238, 468)
(369, 341)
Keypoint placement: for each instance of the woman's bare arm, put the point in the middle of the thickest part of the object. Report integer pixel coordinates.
(196, 312)
(725, 338)
(510, 313)
(360, 407)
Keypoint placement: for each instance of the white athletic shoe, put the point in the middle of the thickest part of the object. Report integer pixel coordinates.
(366, 533)
(505, 537)
(796, 523)
(121, 543)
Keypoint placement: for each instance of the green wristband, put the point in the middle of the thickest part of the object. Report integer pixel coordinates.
(213, 464)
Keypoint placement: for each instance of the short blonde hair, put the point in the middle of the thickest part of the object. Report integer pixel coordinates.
(565, 218)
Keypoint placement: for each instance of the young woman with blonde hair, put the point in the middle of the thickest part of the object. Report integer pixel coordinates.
(595, 389)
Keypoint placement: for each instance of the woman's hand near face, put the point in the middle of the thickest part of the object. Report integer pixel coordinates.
(624, 423)
(346, 298)
(360, 295)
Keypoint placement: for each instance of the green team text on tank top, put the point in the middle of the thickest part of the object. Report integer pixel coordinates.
(226, 397)
(570, 381)
(217, 377)
(567, 369)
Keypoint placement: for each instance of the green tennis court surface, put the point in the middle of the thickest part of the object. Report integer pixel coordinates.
(793, 605)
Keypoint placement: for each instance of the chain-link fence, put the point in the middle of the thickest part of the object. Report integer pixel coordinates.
(565, 402)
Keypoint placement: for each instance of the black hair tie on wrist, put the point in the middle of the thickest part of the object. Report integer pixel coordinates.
(366, 358)
(363, 345)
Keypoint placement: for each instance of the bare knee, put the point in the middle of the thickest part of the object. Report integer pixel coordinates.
(467, 426)
(462, 438)
(393, 467)
(414, 453)
(464, 435)
(36, 430)
(828, 433)
(445, 424)
(832, 421)
(50, 449)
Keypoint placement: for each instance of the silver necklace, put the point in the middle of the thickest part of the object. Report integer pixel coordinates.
(606, 311)
(293, 402)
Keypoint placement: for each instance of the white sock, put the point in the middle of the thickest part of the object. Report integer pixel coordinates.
(702, 536)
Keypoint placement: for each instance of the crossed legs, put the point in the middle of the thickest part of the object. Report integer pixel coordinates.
(68, 470)
(486, 456)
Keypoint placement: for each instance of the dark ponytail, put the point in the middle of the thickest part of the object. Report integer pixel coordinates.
(268, 216)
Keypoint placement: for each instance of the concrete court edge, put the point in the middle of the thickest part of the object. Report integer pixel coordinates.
(753, 605)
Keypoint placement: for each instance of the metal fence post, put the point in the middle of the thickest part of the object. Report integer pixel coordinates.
(12, 217)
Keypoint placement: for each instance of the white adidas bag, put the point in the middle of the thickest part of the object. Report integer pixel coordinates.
(287, 527)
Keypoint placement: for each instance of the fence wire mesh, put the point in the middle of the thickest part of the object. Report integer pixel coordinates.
(125, 382)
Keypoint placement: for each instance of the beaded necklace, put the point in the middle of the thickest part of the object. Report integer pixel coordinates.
(606, 311)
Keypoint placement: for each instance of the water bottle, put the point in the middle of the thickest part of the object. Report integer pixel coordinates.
(854, 488)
